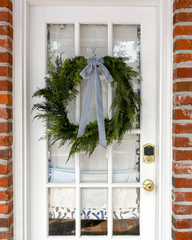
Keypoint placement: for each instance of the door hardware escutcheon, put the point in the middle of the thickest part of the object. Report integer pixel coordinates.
(148, 185)
(148, 153)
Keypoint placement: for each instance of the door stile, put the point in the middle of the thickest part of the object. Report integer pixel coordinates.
(110, 148)
(77, 159)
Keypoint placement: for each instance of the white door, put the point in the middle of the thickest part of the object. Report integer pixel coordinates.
(102, 196)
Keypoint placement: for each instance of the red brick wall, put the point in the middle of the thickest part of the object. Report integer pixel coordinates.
(182, 120)
(6, 138)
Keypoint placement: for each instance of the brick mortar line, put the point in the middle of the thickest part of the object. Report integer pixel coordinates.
(181, 107)
(5, 162)
(181, 217)
(181, 230)
(6, 106)
(9, 134)
(6, 79)
(6, 10)
(179, 37)
(6, 175)
(2, 23)
(187, 93)
(5, 147)
(5, 50)
(182, 121)
(183, 162)
(182, 80)
(182, 52)
(188, 176)
(182, 190)
(5, 229)
(180, 23)
(182, 10)
(182, 149)
(8, 215)
(6, 189)
(187, 64)
(6, 92)
(6, 37)
(5, 64)
(8, 201)
(182, 203)
(181, 134)
(9, 120)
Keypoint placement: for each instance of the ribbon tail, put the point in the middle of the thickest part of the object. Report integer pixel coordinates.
(106, 73)
(86, 106)
(100, 116)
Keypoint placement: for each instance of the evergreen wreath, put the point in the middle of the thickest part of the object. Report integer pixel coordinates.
(61, 88)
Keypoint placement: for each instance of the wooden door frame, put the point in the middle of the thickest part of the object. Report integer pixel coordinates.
(22, 112)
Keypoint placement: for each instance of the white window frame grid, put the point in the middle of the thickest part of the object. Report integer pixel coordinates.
(78, 185)
(21, 113)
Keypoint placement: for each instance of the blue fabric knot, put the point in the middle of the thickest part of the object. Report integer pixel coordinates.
(91, 68)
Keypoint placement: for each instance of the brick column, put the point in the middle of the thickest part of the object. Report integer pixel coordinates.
(182, 120)
(6, 138)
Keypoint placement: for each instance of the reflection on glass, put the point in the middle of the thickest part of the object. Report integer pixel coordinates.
(60, 41)
(126, 43)
(93, 40)
(94, 211)
(126, 211)
(61, 211)
(126, 159)
(59, 171)
(94, 168)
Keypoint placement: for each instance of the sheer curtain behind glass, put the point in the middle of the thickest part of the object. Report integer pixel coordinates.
(60, 43)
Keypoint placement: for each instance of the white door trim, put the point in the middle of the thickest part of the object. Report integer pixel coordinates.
(21, 112)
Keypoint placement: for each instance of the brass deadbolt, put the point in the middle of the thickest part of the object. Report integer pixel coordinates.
(148, 185)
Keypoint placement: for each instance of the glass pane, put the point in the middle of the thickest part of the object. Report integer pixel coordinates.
(94, 211)
(60, 41)
(59, 171)
(126, 43)
(93, 40)
(61, 211)
(126, 208)
(126, 160)
(94, 168)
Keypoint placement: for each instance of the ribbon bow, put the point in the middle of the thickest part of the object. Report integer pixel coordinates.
(91, 68)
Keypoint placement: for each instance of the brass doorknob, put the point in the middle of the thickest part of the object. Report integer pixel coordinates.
(148, 185)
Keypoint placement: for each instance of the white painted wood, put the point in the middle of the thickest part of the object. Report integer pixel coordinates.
(147, 18)
(95, 185)
(21, 196)
(165, 117)
(148, 115)
(77, 159)
(110, 149)
(93, 3)
(18, 125)
(37, 128)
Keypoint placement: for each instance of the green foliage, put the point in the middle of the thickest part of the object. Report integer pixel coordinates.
(61, 89)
